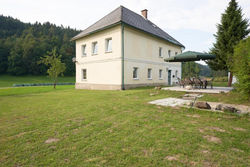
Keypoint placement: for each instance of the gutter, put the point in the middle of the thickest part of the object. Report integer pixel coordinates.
(122, 52)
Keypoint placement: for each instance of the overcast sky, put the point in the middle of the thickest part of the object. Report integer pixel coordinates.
(191, 22)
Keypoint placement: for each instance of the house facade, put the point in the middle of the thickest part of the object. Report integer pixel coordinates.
(125, 50)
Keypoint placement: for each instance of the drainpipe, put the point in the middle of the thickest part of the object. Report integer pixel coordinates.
(122, 26)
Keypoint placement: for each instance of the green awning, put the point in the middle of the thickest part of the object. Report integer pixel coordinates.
(190, 56)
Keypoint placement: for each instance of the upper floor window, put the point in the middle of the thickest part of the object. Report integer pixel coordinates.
(169, 53)
(135, 73)
(149, 73)
(108, 45)
(160, 74)
(84, 74)
(160, 51)
(83, 48)
(94, 48)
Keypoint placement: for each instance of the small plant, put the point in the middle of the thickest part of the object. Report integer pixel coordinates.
(56, 67)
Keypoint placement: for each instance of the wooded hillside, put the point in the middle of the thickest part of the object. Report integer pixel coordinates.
(22, 45)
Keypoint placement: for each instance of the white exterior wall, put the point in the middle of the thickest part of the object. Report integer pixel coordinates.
(103, 69)
(142, 51)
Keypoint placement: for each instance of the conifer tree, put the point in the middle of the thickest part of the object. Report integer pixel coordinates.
(230, 31)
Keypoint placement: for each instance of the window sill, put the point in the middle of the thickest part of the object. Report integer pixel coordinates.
(84, 80)
(135, 78)
(160, 78)
(83, 56)
(94, 54)
(108, 51)
(149, 78)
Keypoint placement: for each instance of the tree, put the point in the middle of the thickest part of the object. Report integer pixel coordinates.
(190, 69)
(241, 66)
(56, 67)
(232, 29)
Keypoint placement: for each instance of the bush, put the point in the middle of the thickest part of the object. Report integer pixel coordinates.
(241, 67)
(220, 79)
(41, 84)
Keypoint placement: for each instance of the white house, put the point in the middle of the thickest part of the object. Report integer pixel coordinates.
(125, 50)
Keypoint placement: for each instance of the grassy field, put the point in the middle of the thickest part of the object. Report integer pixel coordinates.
(115, 128)
(8, 80)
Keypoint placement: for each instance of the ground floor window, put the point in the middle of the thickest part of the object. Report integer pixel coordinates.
(84, 73)
(149, 73)
(160, 74)
(135, 73)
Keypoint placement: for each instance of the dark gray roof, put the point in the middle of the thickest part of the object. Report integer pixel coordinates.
(124, 15)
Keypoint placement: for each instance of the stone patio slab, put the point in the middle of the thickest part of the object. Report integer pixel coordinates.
(208, 90)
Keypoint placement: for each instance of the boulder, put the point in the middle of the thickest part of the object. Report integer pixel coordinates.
(202, 105)
(188, 87)
(229, 109)
(226, 108)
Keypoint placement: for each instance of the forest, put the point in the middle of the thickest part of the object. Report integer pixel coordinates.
(22, 45)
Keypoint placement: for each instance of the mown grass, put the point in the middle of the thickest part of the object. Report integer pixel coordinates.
(8, 80)
(115, 128)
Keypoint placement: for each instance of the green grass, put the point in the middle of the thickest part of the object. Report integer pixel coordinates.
(114, 128)
(232, 97)
(8, 80)
(220, 84)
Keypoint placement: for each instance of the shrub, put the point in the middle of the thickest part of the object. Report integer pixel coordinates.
(241, 67)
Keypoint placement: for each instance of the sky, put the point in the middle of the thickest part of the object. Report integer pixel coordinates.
(191, 22)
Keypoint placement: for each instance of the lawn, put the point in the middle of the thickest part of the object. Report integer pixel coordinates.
(8, 80)
(115, 128)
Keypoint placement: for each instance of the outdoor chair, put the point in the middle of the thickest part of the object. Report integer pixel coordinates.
(181, 83)
(197, 83)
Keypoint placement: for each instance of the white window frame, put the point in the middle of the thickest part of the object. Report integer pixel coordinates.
(84, 79)
(149, 73)
(160, 74)
(160, 52)
(135, 69)
(83, 50)
(169, 53)
(107, 48)
(94, 51)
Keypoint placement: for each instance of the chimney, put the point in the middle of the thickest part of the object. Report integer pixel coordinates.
(144, 13)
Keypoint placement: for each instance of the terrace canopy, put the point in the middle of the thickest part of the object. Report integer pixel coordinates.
(190, 56)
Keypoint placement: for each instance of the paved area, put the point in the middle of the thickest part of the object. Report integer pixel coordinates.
(208, 90)
(171, 102)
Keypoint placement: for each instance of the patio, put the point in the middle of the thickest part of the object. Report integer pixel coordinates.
(208, 90)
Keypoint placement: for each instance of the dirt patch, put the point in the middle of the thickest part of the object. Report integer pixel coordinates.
(205, 151)
(212, 139)
(201, 130)
(239, 129)
(171, 158)
(148, 153)
(237, 150)
(216, 129)
(51, 140)
(193, 116)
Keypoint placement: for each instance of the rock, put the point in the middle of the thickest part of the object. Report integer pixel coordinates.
(158, 88)
(218, 107)
(202, 105)
(229, 109)
(226, 108)
(188, 87)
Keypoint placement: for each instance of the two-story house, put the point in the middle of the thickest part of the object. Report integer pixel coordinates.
(125, 50)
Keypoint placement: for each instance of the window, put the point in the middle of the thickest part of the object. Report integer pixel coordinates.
(149, 73)
(169, 53)
(84, 74)
(135, 73)
(160, 74)
(176, 53)
(109, 45)
(176, 73)
(83, 50)
(94, 48)
(160, 51)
